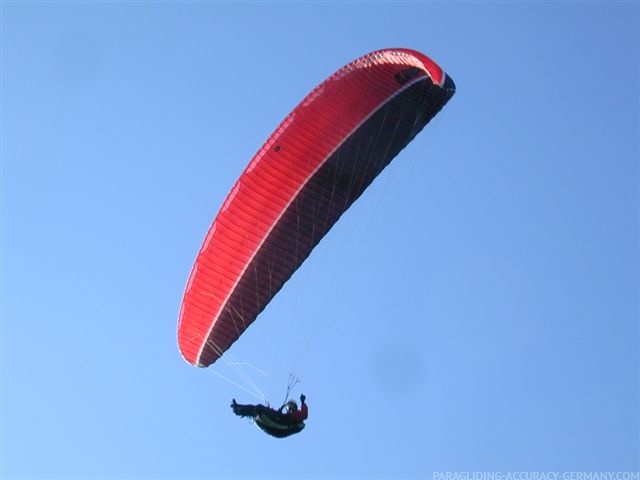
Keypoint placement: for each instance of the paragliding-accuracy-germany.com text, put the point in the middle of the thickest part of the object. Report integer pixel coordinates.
(536, 476)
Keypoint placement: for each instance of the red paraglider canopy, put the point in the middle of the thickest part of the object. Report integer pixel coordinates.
(318, 161)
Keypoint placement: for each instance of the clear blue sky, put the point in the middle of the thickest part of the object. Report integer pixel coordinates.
(476, 310)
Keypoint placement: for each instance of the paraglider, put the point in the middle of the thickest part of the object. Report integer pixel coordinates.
(285, 421)
(312, 168)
